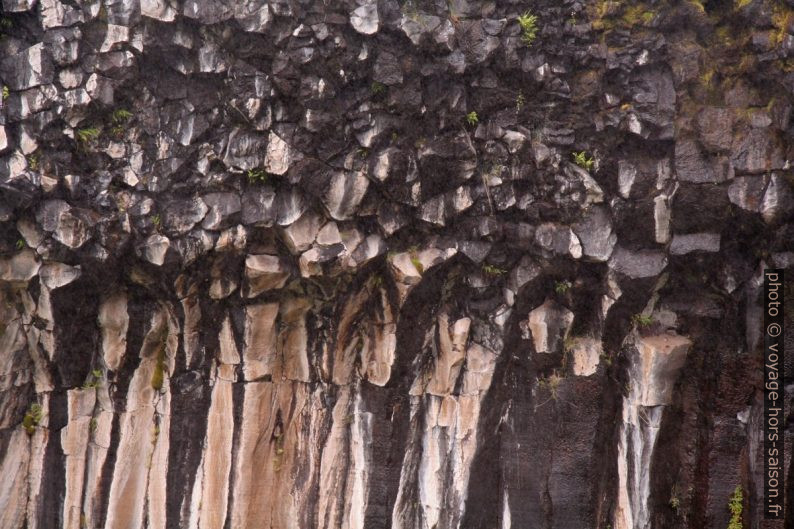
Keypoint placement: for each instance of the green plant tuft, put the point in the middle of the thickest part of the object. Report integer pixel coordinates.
(529, 27)
(641, 320)
(472, 118)
(6, 93)
(121, 115)
(20, 244)
(87, 134)
(520, 100)
(561, 287)
(493, 271)
(377, 88)
(33, 161)
(257, 176)
(581, 159)
(736, 505)
(32, 418)
(94, 379)
(552, 384)
(675, 503)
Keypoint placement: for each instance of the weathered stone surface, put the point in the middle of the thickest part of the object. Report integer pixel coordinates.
(365, 19)
(548, 326)
(345, 193)
(258, 206)
(716, 128)
(222, 207)
(29, 68)
(695, 242)
(756, 151)
(587, 354)
(300, 235)
(56, 216)
(387, 69)
(638, 264)
(180, 216)
(747, 192)
(691, 165)
(114, 321)
(560, 240)
(660, 358)
(280, 155)
(281, 263)
(778, 199)
(22, 267)
(595, 234)
(264, 272)
(246, 150)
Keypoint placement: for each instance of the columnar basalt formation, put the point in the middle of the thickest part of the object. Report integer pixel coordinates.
(389, 263)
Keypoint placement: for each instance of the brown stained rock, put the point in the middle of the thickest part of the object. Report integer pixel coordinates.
(347, 338)
(260, 340)
(291, 360)
(74, 442)
(586, 353)
(15, 469)
(379, 341)
(20, 268)
(548, 325)
(659, 359)
(264, 272)
(452, 338)
(300, 234)
(408, 267)
(228, 355)
(137, 490)
(265, 493)
(211, 487)
(114, 322)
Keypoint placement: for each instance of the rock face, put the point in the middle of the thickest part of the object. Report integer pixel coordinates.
(381, 264)
(653, 373)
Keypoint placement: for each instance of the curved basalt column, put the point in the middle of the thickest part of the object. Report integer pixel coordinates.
(655, 365)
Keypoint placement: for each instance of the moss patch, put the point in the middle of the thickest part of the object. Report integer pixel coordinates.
(32, 418)
(158, 375)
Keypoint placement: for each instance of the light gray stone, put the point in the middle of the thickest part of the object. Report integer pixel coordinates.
(595, 234)
(29, 68)
(638, 264)
(222, 206)
(695, 242)
(365, 20)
